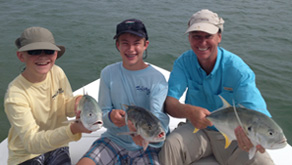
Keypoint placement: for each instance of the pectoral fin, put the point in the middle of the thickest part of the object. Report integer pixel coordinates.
(145, 144)
(227, 140)
(252, 152)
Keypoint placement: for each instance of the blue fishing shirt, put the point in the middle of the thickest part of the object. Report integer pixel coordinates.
(231, 78)
(146, 88)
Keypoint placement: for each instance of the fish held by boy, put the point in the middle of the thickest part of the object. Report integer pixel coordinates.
(90, 113)
(147, 125)
(259, 128)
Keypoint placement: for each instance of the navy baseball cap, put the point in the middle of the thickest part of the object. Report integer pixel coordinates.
(133, 26)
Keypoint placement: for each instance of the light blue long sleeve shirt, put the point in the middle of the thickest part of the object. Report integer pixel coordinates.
(146, 88)
(231, 78)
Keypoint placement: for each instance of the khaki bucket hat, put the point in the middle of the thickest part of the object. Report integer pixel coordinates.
(35, 38)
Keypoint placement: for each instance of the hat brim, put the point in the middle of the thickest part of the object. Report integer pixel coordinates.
(42, 45)
(61, 52)
(39, 45)
(204, 27)
(130, 31)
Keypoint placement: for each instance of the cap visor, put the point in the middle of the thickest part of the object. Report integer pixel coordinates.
(204, 27)
(129, 31)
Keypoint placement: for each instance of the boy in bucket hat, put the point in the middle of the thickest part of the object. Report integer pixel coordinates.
(37, 103)
(207, 72)
(131, 82)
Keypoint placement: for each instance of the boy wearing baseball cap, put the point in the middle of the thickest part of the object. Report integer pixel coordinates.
(207, 72)
(130, 82)
(37, 103)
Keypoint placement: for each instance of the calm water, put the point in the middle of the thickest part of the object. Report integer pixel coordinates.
(259, 31)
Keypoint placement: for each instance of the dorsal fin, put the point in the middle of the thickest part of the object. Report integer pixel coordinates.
(225, 103)
(126, 106)
(84, 93)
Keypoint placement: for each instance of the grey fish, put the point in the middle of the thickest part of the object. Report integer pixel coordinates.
(259, 128)
(147, 125)
(91, 114)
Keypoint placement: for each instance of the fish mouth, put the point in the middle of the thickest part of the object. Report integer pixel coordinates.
(98, 123)
(284, 141)
(161, 135)
(159, 138)
(280, 144)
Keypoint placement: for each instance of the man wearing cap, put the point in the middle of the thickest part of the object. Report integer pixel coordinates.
(207, 72)
(130, 82)
(37, 103)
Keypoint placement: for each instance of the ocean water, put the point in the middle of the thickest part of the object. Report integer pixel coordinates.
(259, 31)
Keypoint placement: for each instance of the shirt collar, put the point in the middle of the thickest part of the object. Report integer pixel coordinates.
(218, 59)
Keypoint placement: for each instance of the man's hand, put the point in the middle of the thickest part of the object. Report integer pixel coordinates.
(197, 116)
(244, 142)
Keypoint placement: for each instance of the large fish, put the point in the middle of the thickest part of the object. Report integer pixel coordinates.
(91, 114)
(147, 125)
(259, 128)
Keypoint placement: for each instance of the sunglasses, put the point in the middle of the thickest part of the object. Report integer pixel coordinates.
(38, 52)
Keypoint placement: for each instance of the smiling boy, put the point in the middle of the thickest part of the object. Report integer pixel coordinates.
(131, 82)
(37, 103)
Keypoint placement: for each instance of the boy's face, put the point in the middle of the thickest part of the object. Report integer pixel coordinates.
(37, 66)
(131, 48)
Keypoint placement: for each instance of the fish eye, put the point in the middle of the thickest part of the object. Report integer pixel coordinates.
(249, 128)
(270, 132)
(149, 126)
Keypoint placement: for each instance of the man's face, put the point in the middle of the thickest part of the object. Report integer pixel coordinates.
(204, 44)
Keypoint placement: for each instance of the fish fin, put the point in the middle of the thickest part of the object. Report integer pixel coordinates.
(238, 119)
(126, 106)
(252, 152)
(145, 144)
(225, 103)
(236, 114)
(84, 92)
(196, 130)
(227, 140)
